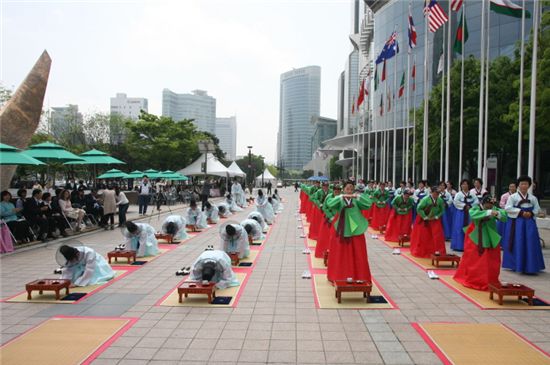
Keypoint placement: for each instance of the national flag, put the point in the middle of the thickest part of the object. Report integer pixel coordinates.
(381, 104)
(413, 76)
(441, 63)
(506, 7)
(412, 30)
(456, 5)
(389, 101)
(458, 39)
(353, 106)
(384, 71)
(375, 77)
(361, 97)
(436, 16)
(390, 49)
(402, 85)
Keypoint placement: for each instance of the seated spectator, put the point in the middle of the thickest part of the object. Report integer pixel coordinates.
(55, 219)
(93, 206)
(8, 213)
(79, 200)
(70, 212)
(34, 213)
(21, 197)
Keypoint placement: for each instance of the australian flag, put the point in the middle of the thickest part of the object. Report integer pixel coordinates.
(391, 48)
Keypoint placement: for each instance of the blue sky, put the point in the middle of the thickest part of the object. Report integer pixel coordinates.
(234, 49)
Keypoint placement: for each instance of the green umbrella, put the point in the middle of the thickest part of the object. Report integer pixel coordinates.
(10, 155)
(171, 175)
(151, 173)
(113, 174)
(96, 157)
(135, 174)
(51, 152)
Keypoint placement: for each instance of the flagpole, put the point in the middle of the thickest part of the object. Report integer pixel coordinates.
(407, 118)
(533, 104)
(448, 129)
(520, 121)
(394, 120)
(375, 171)
(442, 122)
(486, 122)
(368, 144)
(414, 126)
(426, 104)
(481, 95)
(461, 138)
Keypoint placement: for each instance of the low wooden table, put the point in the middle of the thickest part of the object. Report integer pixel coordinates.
(48, 284)
(250, 239)
(325, 258)
(164, 236)
(234, 258)
(403, 238)
(382, 229)
(354, 286)
(196, 287)
(436, 259)
(193, 228)
(511, 289)
(129, 254)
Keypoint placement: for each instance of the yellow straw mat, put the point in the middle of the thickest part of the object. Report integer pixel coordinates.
(482, 297)
(201, 300)
(251, 257)
(483, 343)
(311, 243)
(326, 295)
(49, 296)
(60, 341)
(427, 263)
(316, 263)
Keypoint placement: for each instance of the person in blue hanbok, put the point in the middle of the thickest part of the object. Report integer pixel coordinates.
(212, 213)
(512, 188)
(140, 237)
(83, 266)
(521, 247)
(234, 239)
(254, 229)
(258, 217)
(264, 207)
(175, 225)
(195, 216)
(233, 207)
(214, 266)
(238, 194)
(391, 192)
(223, 210)
(401, 188)
(478, 190)
(418, 195)
(447, 218)
(463, 201)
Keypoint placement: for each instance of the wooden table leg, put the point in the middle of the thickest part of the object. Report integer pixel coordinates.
(339, 296)
(491, 295)
(433, 262)
(67, 290)
(500, 299)
(209, 298)
(110, 260)
(57, 295)
(530, 299)
(29, 297)
(180, 300)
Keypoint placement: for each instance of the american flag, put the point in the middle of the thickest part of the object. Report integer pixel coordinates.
(436, 15)
(412, 31)
(456, 5)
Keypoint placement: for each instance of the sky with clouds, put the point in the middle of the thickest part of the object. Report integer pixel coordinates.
(234, 49)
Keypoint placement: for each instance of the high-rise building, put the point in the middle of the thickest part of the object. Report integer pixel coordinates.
(198, 106)
(128, 107)
(300, 94)
(226, 131)
(65, 124)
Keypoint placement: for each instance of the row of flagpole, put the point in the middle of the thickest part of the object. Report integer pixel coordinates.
(381, 163)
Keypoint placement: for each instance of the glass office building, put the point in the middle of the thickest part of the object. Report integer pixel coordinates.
(300, 94)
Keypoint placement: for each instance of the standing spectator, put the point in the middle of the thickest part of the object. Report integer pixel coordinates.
(109, 208)
(68, 210)
(296, 187)
(70, 185)
(268, 186)
(123, 204)
(34, 213)
(205, 193)
(145, 190)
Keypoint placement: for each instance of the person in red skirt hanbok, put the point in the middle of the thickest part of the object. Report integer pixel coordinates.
(427, 235)
(480, 263)
(317, 200)
(326, 231)
(400, 220)
(380, 208)
(348, 253)
(369, 190)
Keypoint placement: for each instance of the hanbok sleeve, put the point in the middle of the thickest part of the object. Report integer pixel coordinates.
(536, 206)
(476, 213)
(364, 202)
(420, 208)
(87, 275)
(458, 201)
(227, 277)
(502, 203)
(336, 203)
(510, 208)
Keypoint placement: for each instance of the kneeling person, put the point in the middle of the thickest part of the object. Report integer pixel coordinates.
(214, 266)
(235, 239)
(140, 237)
(253, 229)
(175, 225)
(83, 266)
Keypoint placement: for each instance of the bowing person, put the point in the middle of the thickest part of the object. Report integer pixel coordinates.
(195, 216)
(140, 237)
(264, 208)
(214, 266)
(234, 238)
(83, 266)
(212, 213)
(427, 235)
(175, 225)
(254, 229)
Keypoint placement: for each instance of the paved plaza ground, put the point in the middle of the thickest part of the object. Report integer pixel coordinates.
(276, 319)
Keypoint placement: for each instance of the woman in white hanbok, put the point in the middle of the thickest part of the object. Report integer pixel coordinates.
(233, 207)
(258, 217)
(175, 225)
(264, 207)
(84, 266)
(234, 239)
(195, 216)
(212, 213)
(238, 194)
(140, 237)
(214, 266)
(255, 229)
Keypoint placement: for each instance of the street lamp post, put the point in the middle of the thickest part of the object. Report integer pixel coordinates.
(250, 165)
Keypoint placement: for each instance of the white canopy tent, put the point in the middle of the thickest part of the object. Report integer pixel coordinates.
(266, 177)
(235, 170)
(213, 167)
